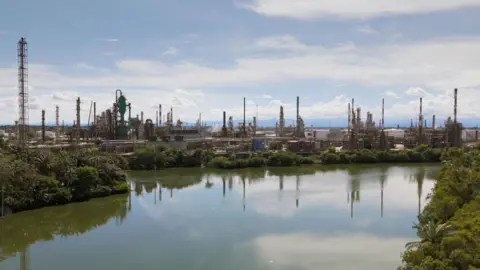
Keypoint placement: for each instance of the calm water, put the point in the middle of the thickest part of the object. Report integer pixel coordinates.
(294, 219)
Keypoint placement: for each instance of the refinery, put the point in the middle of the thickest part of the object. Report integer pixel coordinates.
(114, 129)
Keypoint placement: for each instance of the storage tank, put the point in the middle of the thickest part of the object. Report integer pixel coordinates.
(396, 133)
(258, 145)
(468, 134)
(321, 134)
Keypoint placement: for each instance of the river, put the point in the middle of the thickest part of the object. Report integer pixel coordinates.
(306, 218)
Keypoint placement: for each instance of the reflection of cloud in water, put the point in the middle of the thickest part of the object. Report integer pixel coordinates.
(312, 252)
(331, 189)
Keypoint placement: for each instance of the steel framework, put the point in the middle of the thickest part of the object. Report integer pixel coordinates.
(23, 106)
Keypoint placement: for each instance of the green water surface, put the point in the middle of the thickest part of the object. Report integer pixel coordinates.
(306, 218)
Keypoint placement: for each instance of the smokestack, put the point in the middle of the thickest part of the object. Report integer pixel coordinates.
(244, 116)
(160, 114)
(57, 124)
(433, 121)
(455, 93)
(298, 116)
(78, 121)
(420, 117)
(224, 119)
(359, 118)
(156, 120)
(43, 125)
(141, 117)
(348, 116)
(171, 114)
(383, 113)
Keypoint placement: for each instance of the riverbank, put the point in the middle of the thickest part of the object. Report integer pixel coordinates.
(161, 157)
(36, 179)
(449, 226)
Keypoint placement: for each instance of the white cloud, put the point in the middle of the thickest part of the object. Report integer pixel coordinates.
(437, 66)
(267, 96)
(285, 42)
(367, 29)
(308, 9)
(416, 91)
(392, 94)
(111, 39)
(171, 51)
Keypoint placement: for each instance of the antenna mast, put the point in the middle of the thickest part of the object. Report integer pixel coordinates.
(23, 107)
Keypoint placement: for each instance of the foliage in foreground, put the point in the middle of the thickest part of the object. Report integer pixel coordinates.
(163, 157)
(34, 179)
(449, 226)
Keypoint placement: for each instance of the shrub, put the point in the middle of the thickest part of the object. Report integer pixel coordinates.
(257, 162)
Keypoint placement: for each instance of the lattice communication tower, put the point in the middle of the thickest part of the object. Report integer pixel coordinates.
(23, 106)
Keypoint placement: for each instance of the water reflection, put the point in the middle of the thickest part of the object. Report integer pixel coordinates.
(19, 231)
(245, 219)
(316, 187)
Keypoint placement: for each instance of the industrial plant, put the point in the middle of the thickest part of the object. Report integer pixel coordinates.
(115, 129)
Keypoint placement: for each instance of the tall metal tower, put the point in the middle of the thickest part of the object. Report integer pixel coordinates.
(77, 127)
(23, 106)
(383, 113)
(57, 124)
(43, 126)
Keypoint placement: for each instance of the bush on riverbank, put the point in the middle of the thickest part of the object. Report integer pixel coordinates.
(163, 157)
(34, 179)
(449, 226)
(420, 154)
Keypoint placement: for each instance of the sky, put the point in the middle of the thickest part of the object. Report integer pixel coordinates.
(205, 56)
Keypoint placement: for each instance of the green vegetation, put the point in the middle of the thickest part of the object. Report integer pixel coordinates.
(449, 226)
(163, 157)
(34, 179)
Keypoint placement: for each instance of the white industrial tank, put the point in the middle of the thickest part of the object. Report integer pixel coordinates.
(396, 133)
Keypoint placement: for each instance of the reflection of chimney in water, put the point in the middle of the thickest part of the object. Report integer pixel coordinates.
(224, 185)
(160, 192)
(298, 191)
(381, 201)
(24, 258)
(230, 182)
(171, 193)
(243, 181)
(280, 193)
(352, 198)
(155, 194)
(130, 201)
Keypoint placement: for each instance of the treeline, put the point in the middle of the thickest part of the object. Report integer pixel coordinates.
(449, 226)
(34, 179)
(163, 157)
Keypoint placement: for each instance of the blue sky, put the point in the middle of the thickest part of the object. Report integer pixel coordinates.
(204, 56)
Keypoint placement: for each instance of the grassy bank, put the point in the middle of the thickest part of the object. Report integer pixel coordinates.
(162, 157)
(449, 226)
(35, 179)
